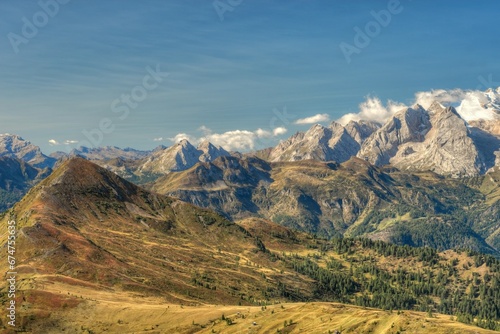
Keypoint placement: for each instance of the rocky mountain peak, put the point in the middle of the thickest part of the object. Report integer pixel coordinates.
(361, 130)
(210, 152)
(336, 127)
(180, 156)
(318, 132)
(184, 144)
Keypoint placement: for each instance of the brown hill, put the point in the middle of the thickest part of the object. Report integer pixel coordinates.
(77, 221)
(85, 225)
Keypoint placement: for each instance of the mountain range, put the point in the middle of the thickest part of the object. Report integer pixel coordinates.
(104, 153)
(436, 165)
(413, 139)
(458, 142)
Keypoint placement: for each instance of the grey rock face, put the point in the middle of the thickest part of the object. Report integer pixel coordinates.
(332, 143)
(436, 139)
(448, 148)
(407, 125)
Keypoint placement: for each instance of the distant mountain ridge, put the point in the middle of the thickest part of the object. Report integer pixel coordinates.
(103, 153)
(14, 146)
(457, 142)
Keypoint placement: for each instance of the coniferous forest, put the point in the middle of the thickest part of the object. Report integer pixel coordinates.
(392, 277)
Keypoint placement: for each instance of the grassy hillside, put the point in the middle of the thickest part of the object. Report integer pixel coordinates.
(88, 239)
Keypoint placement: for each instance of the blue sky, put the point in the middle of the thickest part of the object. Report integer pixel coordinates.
(229, 75)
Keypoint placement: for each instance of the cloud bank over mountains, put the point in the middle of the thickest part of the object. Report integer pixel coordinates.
(235, 140)
(470, 104)
(372, 110)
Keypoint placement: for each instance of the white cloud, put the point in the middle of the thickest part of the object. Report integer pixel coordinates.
(54, 142)
(279, 131)
(318, 118)
(234, 140)
(445, 97)
(478, 105)
(181, 136)
(205, 130)
(470, 104)
(373, 110)
(263, 133)
(158, 139)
